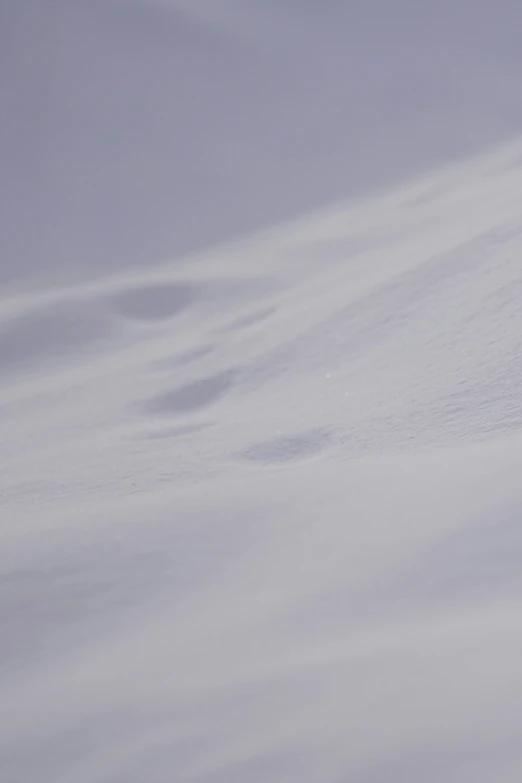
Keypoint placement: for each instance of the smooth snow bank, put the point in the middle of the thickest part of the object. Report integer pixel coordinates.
(261, 510)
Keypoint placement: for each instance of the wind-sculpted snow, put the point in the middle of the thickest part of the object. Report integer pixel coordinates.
(262, 508)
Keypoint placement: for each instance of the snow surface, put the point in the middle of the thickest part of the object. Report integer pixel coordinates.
(261, 504)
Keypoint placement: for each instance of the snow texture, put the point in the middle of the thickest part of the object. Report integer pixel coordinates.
(261, 500)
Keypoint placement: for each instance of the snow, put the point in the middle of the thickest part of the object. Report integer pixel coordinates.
(261, 502)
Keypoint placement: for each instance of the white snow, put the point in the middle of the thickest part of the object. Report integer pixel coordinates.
(268, 526)
(261, 505)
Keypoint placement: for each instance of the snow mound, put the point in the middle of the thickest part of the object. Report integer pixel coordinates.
(262, 508)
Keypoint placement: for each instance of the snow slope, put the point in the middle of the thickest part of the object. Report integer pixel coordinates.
(261, 507)
(260, 502)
